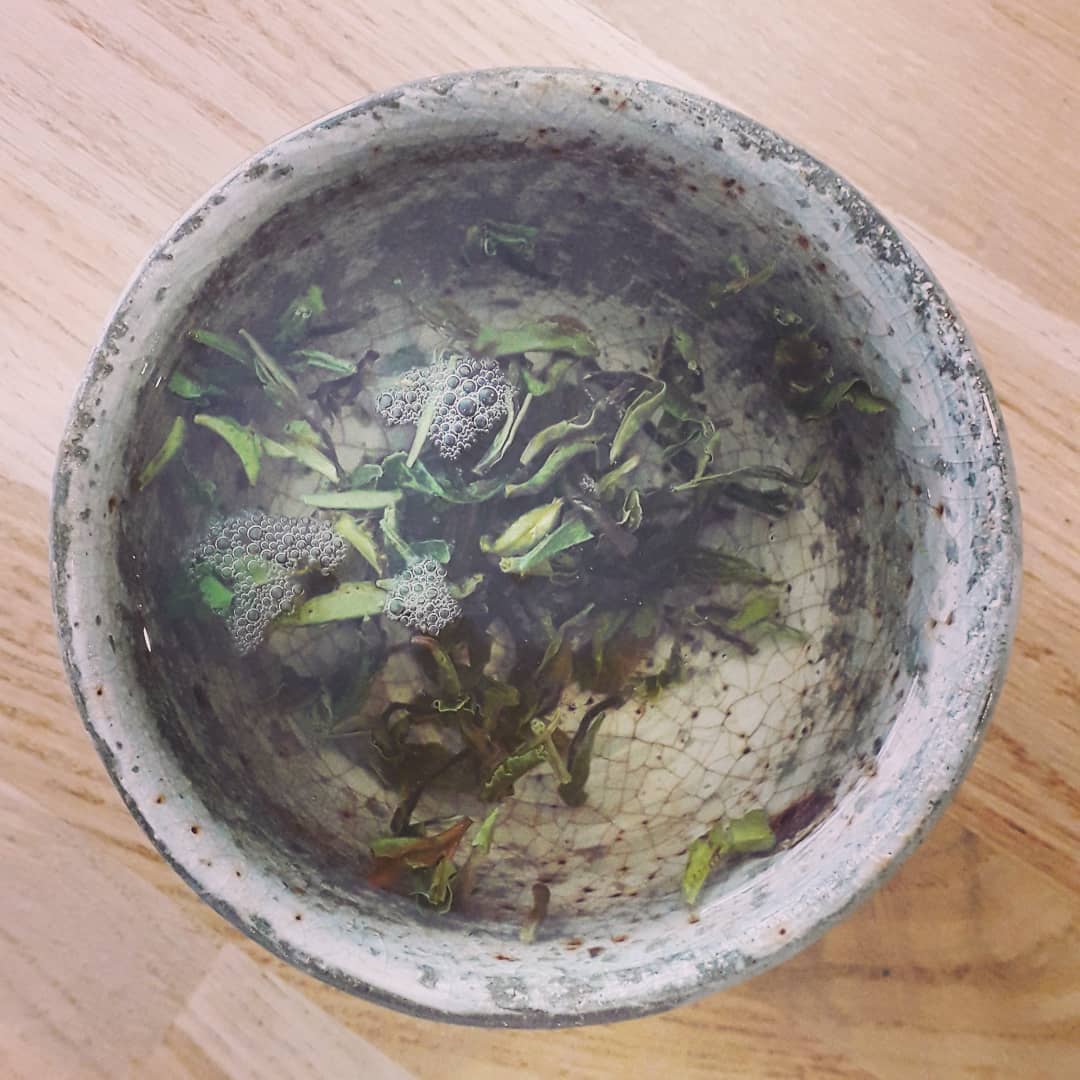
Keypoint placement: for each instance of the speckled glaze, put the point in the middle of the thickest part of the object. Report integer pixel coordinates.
(859, 741)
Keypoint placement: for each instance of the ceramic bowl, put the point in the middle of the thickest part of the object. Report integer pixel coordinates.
(903, 557)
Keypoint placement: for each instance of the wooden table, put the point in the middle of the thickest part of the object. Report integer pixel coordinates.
(961, 120)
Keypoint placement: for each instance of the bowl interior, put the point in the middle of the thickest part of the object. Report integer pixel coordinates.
(638, 225)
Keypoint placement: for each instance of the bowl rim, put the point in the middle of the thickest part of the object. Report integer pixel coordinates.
(972, 718)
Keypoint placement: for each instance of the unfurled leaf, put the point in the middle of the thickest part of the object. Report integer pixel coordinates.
(423, 427)
(460, 590)
(419, 478)
(301, 450)
(556, 461)
(543, 734)
(687, 348)
(439, 550)
(524, 533)
(511, 769)
(293, 324)
(555, 433)
(556, 333)
(718, 568)
(579, 759)
(741, 279)
(360, 537)
(486, 833)
(436, 887)
(541, 898)
(275, 380)
(242, 438)
(758, 608)
(539, 385)
(364, 499)
(632, 512)
(638, 412)
(755, 472)
(219, 343)
(183, 386)
(610, 481)
(818, 403)
(558, 635)
(316, 358)
(393, 854)
(504, 436)
(388, 524)
(166, 452)
(480, 848)
(351, 600)
(364, 476)
(216, 595)
(537, 560)
(750, 834)
(446, 671)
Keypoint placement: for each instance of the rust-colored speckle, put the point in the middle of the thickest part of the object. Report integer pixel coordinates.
(800, 815)
(574, 943)
(195, 830)
(782, 931)
(618, 939)
(160, 799)
(939, 509)
(820, 267)
(99, 691)
(802, 241)
(503, 956)
(595, 951)
(113, 503)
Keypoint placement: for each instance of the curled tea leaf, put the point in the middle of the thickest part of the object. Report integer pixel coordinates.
(556, 433)
(556, 461)
(505, 435)
(686, 347)
(515, 243)
(638, 412)
(541, 897)
(741, 279)
(316, 358)
(395, 853)
(611, 480)
(244, 441)
(579, 758)
(351, 600)
(750, 834)
(166, 452)
(301, 450)
(526, 531)
(224, 345)
(183, 386)
(360, 537)
(555, 333)
(439, 550)
(277, 383)
(538, 386)
(293, 324)
(500, 782)
(632, 512)
(537, 560)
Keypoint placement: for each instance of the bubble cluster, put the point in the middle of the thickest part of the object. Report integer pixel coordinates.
(471, 400)
(419, 597)
(261, 557)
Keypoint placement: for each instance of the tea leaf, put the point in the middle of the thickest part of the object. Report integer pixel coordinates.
(539, 386)
(364, 499)
(446, 671)
(717, 567)
(750, 834)
(687, 348)
(555, 333)
(786, 317)
(541, 898)
(698, 867)
(755, 472)
(758, 608)
(241, 438)
(418, 478)
(219, 343)
(525, 532)
(579, 759)
(302, 451)
(567, 535)
(270, 373)
(423, 427)
(486, 833)
(467, 587)
(364, 476)
(558, 636)
(361, 539)
(742, 279)
(556, 433)
(418, 852)
(856, 392)
(215, 594)
(439, 550)
(505, 435)
(639, 411)
(652, 686)
(183, 386)
(389, 527)
(500, 782)
(436, 888)
(167, 451)
(351, 600)
(556, 461)
(632, 512)
(316, 358)
(516, 243)
(610, 481)
(293, 324)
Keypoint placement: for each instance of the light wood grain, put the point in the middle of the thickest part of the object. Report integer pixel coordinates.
(960, 120)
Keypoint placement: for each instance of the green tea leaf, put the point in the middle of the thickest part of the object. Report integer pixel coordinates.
(389, 526)
(183, 386)
(486, 833)
(751, 833)
(516, 243)
(241, 438)
(446, 671)
(719, 568)
(698, 867)
(219, 343)
(558, 636)
(856, 392)
(610, 481)
(460, 590)
(418, 478)
(439, 550)
(652, 686)
(364, 499)
(538, 386)
(303, 452)
(423, 427)
(500, 782)
(275, 380)
(757, 608)
(786, 317)
(316, 358)
(687, 348)
(505, 435)
(755, 472)
(214, 593)
(579, 760)
(525, 532)
(293, 324)
(167, 451)
(556, 433)
(364, 476)
(555, 333)
(638, 412)
(567, 535)
(742, 279)
(632, 512)
(556, 461)
(351, 600)
(359, 536)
